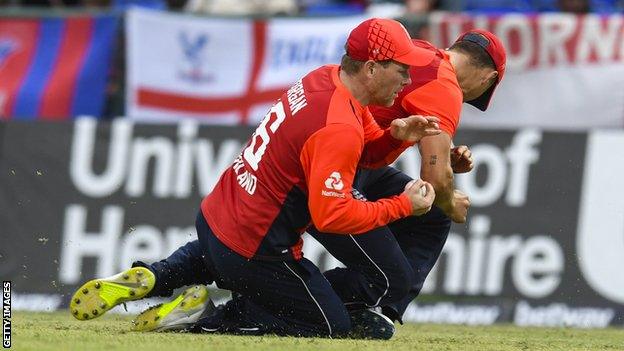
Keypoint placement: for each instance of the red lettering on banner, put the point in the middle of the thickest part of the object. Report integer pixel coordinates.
(600, 39)
(548, 40)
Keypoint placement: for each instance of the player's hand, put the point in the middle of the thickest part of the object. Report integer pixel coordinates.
(461, 203)
(421, 199)
(461, 159)
(414, 128)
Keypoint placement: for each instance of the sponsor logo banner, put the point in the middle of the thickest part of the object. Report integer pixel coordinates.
(542, 244)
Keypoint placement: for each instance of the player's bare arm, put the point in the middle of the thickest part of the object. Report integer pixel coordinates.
(436, 169)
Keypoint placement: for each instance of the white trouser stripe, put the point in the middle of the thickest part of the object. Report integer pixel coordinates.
(313, 299)
(382, 272)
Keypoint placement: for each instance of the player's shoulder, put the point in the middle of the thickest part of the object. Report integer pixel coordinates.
(438, 74)
(421, 75)
(434, 87)
(316, 89)
(319, 80)
(325, 98)
(331, 97)
(442, 90)
(345, 110)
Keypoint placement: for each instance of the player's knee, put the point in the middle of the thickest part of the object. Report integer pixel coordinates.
(390, 285)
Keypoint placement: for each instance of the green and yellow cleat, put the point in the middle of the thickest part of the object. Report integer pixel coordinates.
(97, 296)
(177, 314)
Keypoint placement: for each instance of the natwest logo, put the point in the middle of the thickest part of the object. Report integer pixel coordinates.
(334, 182)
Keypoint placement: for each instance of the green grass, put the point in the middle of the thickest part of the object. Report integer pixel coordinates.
(59, 331)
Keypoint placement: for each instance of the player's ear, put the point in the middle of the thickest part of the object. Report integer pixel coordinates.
(492, 76)
(369, 67)
(489, 77)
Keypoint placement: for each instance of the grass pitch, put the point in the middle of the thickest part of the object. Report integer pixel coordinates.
(59, 331)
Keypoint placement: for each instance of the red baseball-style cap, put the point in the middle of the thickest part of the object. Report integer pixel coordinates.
(380, 39)
(493, 46)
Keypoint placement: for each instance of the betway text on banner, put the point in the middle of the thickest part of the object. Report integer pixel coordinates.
(53, 67)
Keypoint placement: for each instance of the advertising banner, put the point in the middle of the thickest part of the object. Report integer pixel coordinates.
(535, 249)
(542, 244)
(55, 67)
(564, 72)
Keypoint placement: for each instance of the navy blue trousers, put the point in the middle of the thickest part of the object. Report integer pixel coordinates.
(284, 298)
(386, 266)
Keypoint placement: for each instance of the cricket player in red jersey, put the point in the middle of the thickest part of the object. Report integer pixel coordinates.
(388, 266)
(297, 169)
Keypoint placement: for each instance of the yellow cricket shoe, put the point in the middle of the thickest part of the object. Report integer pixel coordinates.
(97, 296)
(177, 314)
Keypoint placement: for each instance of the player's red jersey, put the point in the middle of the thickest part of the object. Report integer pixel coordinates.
(298, 168)
(434, 92)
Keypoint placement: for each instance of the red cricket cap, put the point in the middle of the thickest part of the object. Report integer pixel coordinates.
(494, 47)
(380, 39)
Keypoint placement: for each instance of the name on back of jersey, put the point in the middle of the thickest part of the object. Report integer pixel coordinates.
(296, 98)
(246, 179)
(261, 138)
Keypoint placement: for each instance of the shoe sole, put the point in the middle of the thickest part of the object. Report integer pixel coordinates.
(177, 314)
(97, 296)
(372, 325)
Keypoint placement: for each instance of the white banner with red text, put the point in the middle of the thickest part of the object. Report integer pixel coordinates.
(563, 71)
